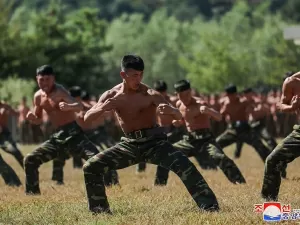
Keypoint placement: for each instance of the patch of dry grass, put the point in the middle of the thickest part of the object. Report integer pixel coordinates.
(137, 201)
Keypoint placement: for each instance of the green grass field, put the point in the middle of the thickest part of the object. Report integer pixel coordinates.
(137, 201)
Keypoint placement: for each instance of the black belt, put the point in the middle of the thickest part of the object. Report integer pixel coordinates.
(143, 133)
(201, 133)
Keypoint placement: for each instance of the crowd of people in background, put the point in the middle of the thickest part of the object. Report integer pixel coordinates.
(278, 124)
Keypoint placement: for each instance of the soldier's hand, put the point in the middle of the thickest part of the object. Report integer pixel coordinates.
(177, 123)
(30, 116)
(165, 109)
(203, 109)
(63, 106)
(110, 104)
(295, 102)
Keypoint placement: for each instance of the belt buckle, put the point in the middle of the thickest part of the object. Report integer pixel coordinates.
(138, 134)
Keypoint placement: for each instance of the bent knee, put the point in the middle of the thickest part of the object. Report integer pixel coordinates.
(31, 160)
(94, 165)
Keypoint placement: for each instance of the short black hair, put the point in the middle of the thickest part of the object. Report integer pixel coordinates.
(132, 62)
(85, 96)
(160, 86)
(231, 89)
(45, 70)
(247, 90)
(75, 91)
(288, 74)
(182, 85)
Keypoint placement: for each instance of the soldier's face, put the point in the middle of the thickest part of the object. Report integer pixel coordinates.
(45, 82)
(133, 78)
(185, 96)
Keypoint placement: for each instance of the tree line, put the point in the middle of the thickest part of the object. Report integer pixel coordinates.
(211, 42)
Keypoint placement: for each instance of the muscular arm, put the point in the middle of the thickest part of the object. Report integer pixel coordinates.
(37, 113)
(98, 109)
(213, 113)
(159, 99)
(72, 103)
(286, 97)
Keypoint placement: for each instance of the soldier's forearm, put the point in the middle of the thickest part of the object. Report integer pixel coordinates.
(93, 114)
(76, 107)
(285, 108)
(215, 115)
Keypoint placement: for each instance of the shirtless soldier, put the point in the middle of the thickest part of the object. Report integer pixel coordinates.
(200, 140)
(238, 111)
(258, 119)
(6, 141)
(24, 125)
(174, 133)
(288, 149)
(135, 105)
(68, 137)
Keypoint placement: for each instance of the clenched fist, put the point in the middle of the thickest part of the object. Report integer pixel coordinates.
(63, 106)
(165, 109)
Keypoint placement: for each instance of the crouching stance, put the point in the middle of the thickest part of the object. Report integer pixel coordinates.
(135, 105)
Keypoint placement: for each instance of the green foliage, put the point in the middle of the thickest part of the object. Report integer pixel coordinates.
(13, 89)
(240, 49)
(211, 42)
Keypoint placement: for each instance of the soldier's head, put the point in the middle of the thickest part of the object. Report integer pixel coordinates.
(85, 96)
(231, 91)
(160, 86)
(45, 78)
(248, 93)
(183, 90)
(75, 92)
(132, 69)
(288, 74)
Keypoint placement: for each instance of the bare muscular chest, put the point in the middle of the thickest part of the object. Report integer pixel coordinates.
(50, 103)
(133, 106)
(236, 109)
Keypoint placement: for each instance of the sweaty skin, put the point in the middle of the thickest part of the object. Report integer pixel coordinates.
(197, 114)
(290, 98)
(236, 109)
(55, 105)
(6, 111)
(134, 109)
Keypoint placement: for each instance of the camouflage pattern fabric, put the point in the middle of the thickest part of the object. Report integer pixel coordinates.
(156, 150)
(284, 153)
(8, 174)
(241, 131)
(202, 145)
(67, 140)
(9, 145)
(259, 127)
(99, 138)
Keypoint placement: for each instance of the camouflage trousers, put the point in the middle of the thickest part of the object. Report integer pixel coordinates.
(284, 153)
(9, 145)
(99, 138)
(259, 128)
(156, 150)
(175, 134)
(8, 174)
(202, 145)
(66, 140)
(243, 132)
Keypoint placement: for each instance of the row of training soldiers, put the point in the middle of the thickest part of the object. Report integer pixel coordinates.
(278, 124)
(189, 112)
